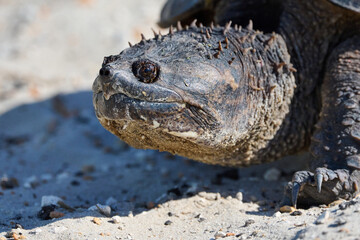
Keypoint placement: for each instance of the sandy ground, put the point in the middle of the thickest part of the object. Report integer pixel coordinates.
(54, 151)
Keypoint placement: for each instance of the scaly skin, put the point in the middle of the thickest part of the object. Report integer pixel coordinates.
(232, 97)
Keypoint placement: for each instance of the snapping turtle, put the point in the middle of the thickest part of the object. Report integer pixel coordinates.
(236, 96)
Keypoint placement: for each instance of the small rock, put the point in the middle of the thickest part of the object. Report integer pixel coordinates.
(272, 174)
(340, 221)
(201, 219)
(229, 197)
(287, 209)
(210, 196)
(249, 222)
(18, 236)
(104, 234)
(220, 234)
(50, 200)
(300, 224)
(45, 211)
(296, 213)
(103, 209)
(323, 218)
(96, 221)
(56, 214)
(10, 234)
(38, 231)
(18, 226)
(8, 183)
(230, 234)
(345, 230)
(239, 196)
(353, 201)
(116, 219)
(277, 214)
(343, 205)
(168, 222)
(150, 205)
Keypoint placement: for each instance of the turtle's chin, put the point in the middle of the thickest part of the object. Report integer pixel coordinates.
(165, 118)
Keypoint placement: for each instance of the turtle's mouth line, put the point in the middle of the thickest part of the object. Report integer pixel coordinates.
(121, 98)
(133, 108)
(108, 97)
(143, 98)
(122, 107)
(126, 99)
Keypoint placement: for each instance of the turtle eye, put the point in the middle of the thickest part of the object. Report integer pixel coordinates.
(145, 70)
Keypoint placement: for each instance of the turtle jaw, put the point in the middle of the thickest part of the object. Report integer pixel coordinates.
(145, 124)
(122, 107)
(172, 127)
(169, 116)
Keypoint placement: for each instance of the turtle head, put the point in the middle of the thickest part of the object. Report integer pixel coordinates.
(185, 93)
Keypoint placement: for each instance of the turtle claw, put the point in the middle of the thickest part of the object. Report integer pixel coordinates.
(319, 179)
(295, 192)
(323, 187)
(299, 179)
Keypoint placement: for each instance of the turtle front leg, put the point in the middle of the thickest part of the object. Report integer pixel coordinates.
(336, 142)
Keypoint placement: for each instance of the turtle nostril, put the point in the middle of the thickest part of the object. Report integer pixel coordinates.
(105, 71)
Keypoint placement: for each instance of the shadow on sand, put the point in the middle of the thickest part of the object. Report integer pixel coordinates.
(57, 147)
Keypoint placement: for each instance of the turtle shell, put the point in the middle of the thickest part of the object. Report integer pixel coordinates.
(353, 5)
(186, 11)
(265, 13)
